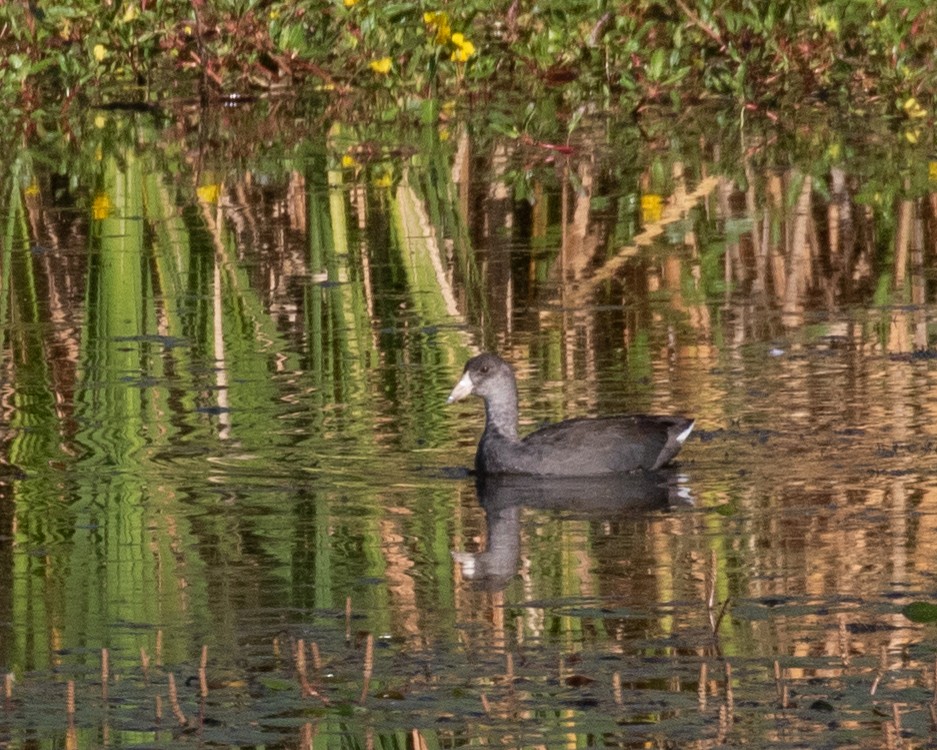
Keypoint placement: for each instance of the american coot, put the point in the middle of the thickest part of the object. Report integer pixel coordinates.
(576, 447)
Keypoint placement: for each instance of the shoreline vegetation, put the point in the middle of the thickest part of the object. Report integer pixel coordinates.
(770, 58)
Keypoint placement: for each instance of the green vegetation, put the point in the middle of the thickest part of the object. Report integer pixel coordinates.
(770, 56)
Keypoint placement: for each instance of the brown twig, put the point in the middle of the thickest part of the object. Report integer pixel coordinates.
(174, 701)
(8, 685)
(348, 619)
(307, 687)
(701, 687)
(316, 658)
(700, 24)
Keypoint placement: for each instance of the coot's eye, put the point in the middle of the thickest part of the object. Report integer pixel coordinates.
(484, 369)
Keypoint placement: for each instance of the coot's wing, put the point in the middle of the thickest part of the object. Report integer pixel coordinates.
(581, 447)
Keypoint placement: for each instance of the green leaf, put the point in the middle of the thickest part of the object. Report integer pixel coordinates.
(920, 612)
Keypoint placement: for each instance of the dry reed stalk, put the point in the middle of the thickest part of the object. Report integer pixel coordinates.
(145, 664)
(723, 725)
(730, 696)
(715, 620)
(509, 666)
(105, 671)
(306, 736)
(419, 741)
(701, 687)
(935, 680)
(348, 619)
(70, 699)
(159, 708)
(486, 707)
(933, 716)
(368, 667)
(616, 688)
(316, 658)
(711, 583)
(778, 680)
(8, 685)
(896, 719)
(159, 648)
(882, 669)
(203, 673)
(174, 701)
(300, 661)
(843, 641)
(891, 742)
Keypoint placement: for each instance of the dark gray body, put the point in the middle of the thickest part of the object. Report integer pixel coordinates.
(576, 447)
(584, 447)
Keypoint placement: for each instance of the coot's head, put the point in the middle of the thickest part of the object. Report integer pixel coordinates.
(486, 375)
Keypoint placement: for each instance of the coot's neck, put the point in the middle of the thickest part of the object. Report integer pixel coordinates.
(501, 412)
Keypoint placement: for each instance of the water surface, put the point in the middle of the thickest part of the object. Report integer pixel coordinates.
(223, 428)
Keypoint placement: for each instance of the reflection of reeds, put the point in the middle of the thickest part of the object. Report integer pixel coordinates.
(368, 667)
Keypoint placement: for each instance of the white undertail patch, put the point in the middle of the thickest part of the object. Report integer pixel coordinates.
(685, 434)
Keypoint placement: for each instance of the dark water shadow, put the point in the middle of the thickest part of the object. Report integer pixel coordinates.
(504, 499)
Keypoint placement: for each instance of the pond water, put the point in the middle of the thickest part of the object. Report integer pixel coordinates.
(236, 510)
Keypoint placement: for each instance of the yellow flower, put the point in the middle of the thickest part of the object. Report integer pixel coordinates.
(384, 180)
(32, 189)
(351, 3)
(101, 206)
(464, 49)
(382, 66)
(208, 193)
(438, 22)
(349, 161)
(651, 208)
(912, 135)
(130, 14)
(932, 171)
(100, 52)
(913, 109)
